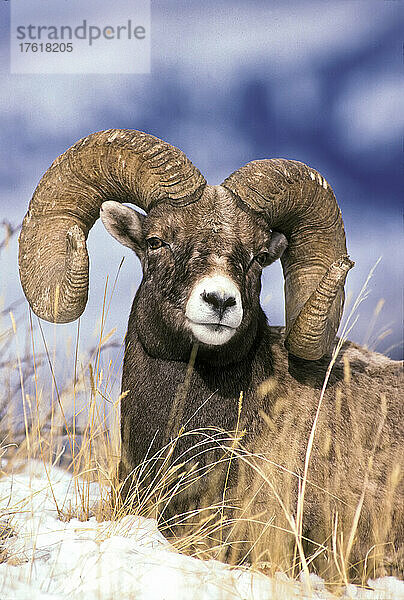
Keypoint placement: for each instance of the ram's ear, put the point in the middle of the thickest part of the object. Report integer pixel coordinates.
(124, 224)
(277, 245)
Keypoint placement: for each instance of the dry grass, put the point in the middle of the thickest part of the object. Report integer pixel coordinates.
(63, 409)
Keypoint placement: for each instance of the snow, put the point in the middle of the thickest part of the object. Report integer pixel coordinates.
(53, 559)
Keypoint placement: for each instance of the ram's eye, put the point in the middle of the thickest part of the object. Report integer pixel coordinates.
(154, 243)
(262, 258)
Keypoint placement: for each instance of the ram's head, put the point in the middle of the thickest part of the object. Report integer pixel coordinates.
(202, 247)
(202, 268)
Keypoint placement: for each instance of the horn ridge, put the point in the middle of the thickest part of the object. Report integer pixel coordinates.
(298, 202)
(116, 164)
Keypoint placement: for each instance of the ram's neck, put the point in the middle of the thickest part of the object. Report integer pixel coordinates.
(174, 344)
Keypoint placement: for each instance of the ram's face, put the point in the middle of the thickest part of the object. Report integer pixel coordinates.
(202, 263)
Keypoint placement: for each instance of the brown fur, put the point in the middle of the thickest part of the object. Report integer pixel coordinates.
(358, 443)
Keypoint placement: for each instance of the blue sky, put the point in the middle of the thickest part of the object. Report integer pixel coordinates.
(320, 82)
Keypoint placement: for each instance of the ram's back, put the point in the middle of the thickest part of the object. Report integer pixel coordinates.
(346, 427)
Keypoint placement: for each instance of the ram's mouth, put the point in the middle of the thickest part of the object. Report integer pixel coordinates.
(213, 326)
(212, 334)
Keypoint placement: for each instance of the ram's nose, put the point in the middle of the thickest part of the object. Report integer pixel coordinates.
(220, 302)
(214, 309)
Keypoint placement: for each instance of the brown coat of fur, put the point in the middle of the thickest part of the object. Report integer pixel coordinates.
(354, 487)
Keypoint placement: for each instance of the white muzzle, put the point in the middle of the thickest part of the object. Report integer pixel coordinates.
(214, 310)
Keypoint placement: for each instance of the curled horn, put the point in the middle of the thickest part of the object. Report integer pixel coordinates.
(117, 164)
(298, 202)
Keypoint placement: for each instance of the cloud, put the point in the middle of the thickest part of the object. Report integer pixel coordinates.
(369, 111)
(284, 37)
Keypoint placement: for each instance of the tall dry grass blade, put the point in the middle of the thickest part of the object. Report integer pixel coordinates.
(56, 386)
(349, 324)
(358, 510)
(27, 436)
(234, 443)
(177, 408)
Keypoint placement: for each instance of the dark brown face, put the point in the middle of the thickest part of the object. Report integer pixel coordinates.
(201, 263)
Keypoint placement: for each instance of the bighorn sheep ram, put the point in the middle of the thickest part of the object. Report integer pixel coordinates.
(202, 249)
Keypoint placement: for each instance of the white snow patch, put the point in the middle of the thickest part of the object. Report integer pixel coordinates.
(129, 558)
